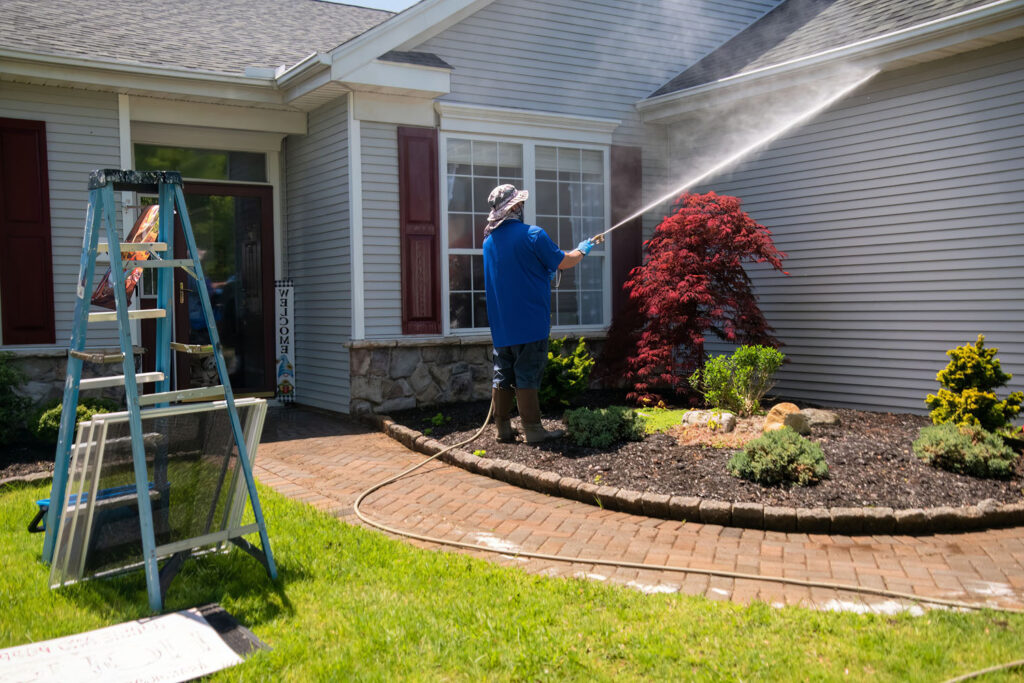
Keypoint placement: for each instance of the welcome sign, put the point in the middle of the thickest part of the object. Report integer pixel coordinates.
(283, 332)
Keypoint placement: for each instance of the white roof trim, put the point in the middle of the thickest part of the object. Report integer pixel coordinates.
(472, 118)
(403, 31)
(877, 52)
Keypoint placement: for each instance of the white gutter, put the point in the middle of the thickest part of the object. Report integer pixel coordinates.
(862, 50)
(135, 68)
(308, 66)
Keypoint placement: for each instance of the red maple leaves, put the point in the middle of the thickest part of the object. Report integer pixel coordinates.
(692, 284)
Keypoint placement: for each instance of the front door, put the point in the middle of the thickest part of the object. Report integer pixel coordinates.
(233, 229)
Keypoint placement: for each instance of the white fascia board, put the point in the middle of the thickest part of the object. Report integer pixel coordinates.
(1004, 18)
(179, 112)
(538, 125)
(110, 75)
(398, 109)
(400, 79)
(403, 31)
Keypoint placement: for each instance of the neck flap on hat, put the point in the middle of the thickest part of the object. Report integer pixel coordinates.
(510, 210)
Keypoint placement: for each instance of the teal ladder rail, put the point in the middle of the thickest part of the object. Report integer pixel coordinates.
(101, 215)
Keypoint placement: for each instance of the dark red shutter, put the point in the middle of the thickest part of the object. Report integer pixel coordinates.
(626, 193)
(26, 265)
(419, 220)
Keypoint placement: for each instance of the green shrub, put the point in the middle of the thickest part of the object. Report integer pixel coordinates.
(968, 395)
(46, 427)
(13, 406)
(778, 457)
(567, 373)
(967, 449)
(737, 383)
(601, 427)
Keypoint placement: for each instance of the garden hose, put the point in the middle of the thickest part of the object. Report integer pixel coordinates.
(721, 573)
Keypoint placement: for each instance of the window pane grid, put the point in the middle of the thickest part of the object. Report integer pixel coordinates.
(568, 198)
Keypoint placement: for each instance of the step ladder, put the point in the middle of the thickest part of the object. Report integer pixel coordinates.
(167, 185)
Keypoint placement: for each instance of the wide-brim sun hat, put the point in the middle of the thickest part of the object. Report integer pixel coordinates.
(505, 196)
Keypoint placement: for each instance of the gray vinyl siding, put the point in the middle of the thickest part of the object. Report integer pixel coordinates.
(81, 135)
(583, 57)
(381, 248)
(318, 256)
(901, 210)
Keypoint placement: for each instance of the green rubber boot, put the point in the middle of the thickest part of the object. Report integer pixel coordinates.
(502, 399)
(529, 412)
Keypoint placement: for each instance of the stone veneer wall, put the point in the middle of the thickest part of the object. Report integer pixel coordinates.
(46, 371)
(408, 373)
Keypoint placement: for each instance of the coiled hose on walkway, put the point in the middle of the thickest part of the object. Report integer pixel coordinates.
(867, 590)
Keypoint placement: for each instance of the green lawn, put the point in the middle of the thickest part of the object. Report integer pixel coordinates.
(352, 604)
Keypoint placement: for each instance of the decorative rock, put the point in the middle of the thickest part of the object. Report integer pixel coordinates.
(798, 423)
(820, 418)
(779, 518)
(776, 417)
(725, 422)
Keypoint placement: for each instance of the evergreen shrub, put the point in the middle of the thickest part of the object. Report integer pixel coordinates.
(601, 427)
(965, 449)
(968, 395)
(46, 427)
(779, 457)
(567, 373)
(737, 383)
(13, 406)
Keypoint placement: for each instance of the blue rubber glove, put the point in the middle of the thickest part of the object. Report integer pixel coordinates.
(585, 246)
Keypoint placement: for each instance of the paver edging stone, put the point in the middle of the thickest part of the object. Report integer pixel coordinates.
(841, 520)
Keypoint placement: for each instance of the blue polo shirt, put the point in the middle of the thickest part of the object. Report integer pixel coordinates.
(519, 260)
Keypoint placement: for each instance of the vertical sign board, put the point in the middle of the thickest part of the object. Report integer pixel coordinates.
(283, 331)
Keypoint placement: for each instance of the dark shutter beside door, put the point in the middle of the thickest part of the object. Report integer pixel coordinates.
(419, 220)
(26, 266)
(626, 195)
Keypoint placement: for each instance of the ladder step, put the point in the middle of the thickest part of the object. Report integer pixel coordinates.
(202, 349)
(128, 247)
(132, 315)
(182, 395)
(161, 263)
(118, 380)
(98, 356)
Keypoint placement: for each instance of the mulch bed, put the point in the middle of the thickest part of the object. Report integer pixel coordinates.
(869, 455)
(21, 460)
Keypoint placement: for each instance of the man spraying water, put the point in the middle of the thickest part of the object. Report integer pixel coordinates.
(519, 262)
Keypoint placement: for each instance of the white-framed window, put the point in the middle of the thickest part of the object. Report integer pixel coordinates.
(569, 199)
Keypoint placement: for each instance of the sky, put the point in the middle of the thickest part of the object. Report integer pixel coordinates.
(391, 5)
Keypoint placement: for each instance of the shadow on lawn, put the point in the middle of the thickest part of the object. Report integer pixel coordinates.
(234, 580)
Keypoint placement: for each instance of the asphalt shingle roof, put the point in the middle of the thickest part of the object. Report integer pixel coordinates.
(800, 28)
(213, 35)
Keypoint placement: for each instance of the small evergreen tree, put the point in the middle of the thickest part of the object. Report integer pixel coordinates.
(693, 284)
(968, 395)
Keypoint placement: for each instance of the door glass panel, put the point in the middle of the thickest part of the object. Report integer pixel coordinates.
(227, 231)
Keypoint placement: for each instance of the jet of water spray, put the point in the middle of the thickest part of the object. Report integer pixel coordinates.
(761, 142)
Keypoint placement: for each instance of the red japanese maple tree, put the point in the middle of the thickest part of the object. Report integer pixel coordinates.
(693, 284)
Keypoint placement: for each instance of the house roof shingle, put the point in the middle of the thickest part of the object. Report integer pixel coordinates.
(800, 28)
(225, 36)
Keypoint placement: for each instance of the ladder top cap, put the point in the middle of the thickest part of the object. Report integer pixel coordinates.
(125, 180)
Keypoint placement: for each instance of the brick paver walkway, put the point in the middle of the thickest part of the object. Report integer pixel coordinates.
(327, 462)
